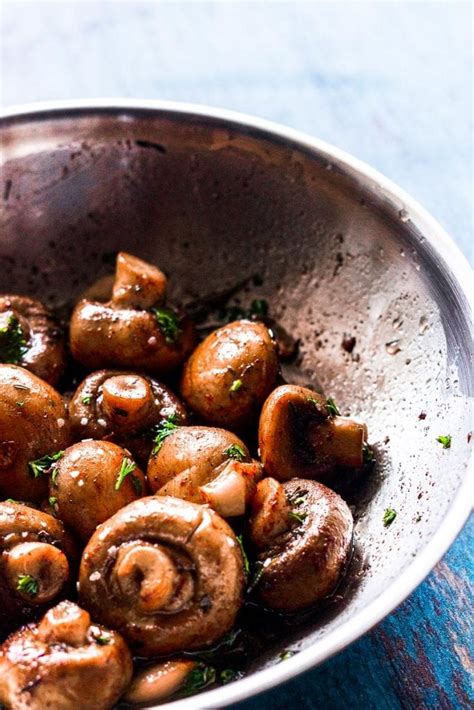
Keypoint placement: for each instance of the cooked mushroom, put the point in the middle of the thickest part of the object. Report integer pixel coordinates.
(303, 532)
(33, 428)
(123, 407)
(133, 329)
(301, 435)
(168, 574)
(31, 337)
(37, 559)
(230, 374)
(160, 681)
(204, 465)
(92, 480)
(65, 662)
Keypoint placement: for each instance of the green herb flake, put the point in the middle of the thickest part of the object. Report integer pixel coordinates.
(286, 654)
(200, 677)
(27, 585)
(299, 517)
(244, 555)
(11, 500)
(259, 308)
(168, 323)
(52, 501)
(102, 639)
(228, 676)
(368, 456)
(44, 465)
(87, 399)
(258, 569)
(20, 404)
(12, 342)
(235, 386)
(163, 430)
(235, 451)
(127, 467)
(332, 408)
(54, 476)
(445, 441)
(389, 516)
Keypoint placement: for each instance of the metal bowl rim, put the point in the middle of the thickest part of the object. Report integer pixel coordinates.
(447, 252)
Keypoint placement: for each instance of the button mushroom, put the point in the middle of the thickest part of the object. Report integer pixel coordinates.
(92, 480)
(33, 428)
(31, 337)
(123, 407)
(65, 662)
(300, 434)
(204, 465)
(163, 680)
(230, 374)
(303, 532)
(133, 329)
(168, 574)
(37, 557)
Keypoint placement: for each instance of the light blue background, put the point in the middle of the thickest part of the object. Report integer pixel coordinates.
(390, 82)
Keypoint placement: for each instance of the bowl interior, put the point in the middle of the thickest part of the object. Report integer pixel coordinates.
(215, 203)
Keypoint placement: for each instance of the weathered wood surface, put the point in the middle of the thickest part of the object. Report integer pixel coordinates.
(389, 82)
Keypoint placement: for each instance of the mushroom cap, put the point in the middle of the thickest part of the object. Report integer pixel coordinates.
(87, 485)
(297, 437)
(21, 527)
(33, 422)
(303, 564)
(45, 352)
(91, 417)
(150, 541)
(65, 663)
(229, 375)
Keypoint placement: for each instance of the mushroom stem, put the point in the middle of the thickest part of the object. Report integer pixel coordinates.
(65, 623)
(126, 398)
(270, 512)
(159, 681)
(341, 440)
(146, 570)
(37, 571)
(137, 283)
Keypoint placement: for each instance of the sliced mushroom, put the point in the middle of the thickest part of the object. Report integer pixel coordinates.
(37, 561)
(160, 681)
(123, 407)
(33, 424)
(205, 465)
(168, 574)
(31, 337)
(299, 435)
(65, 662)
(94, 479)
(229, 375)
(134, 329)
(303, 543)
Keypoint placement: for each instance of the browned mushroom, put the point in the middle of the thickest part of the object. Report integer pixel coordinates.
(161, 680)
(37, 560)
(65, 662)
(230, 374)
(134, 329)
(168, 574)
(31, 337)
(204, 465)
(92, 480)
(303, 532)
(123, 407)
(301, 434)
(33, 427)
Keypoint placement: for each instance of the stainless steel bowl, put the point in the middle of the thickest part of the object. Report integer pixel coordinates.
(214, 197)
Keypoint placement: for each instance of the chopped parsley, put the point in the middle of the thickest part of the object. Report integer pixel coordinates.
(299, 517)
(20, 404)
(298, 497)
(286, 654)
(11, 500)
(228, 675)
(235, 451)
(258, 569)
(168, 323)
(259, 308)
(368, 456)
(52, 501)
(44, 465)
(244, 554)
(445, 441)
(332, 408)
(54, 476)
(102, 639)
(389, 516)
(12, 342)
(200, 677)
(163, 430)
(87, 399)
(127, 467)
(235, 386)
(27, 585)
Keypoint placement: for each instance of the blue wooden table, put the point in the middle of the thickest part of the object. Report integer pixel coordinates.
(390, 83)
